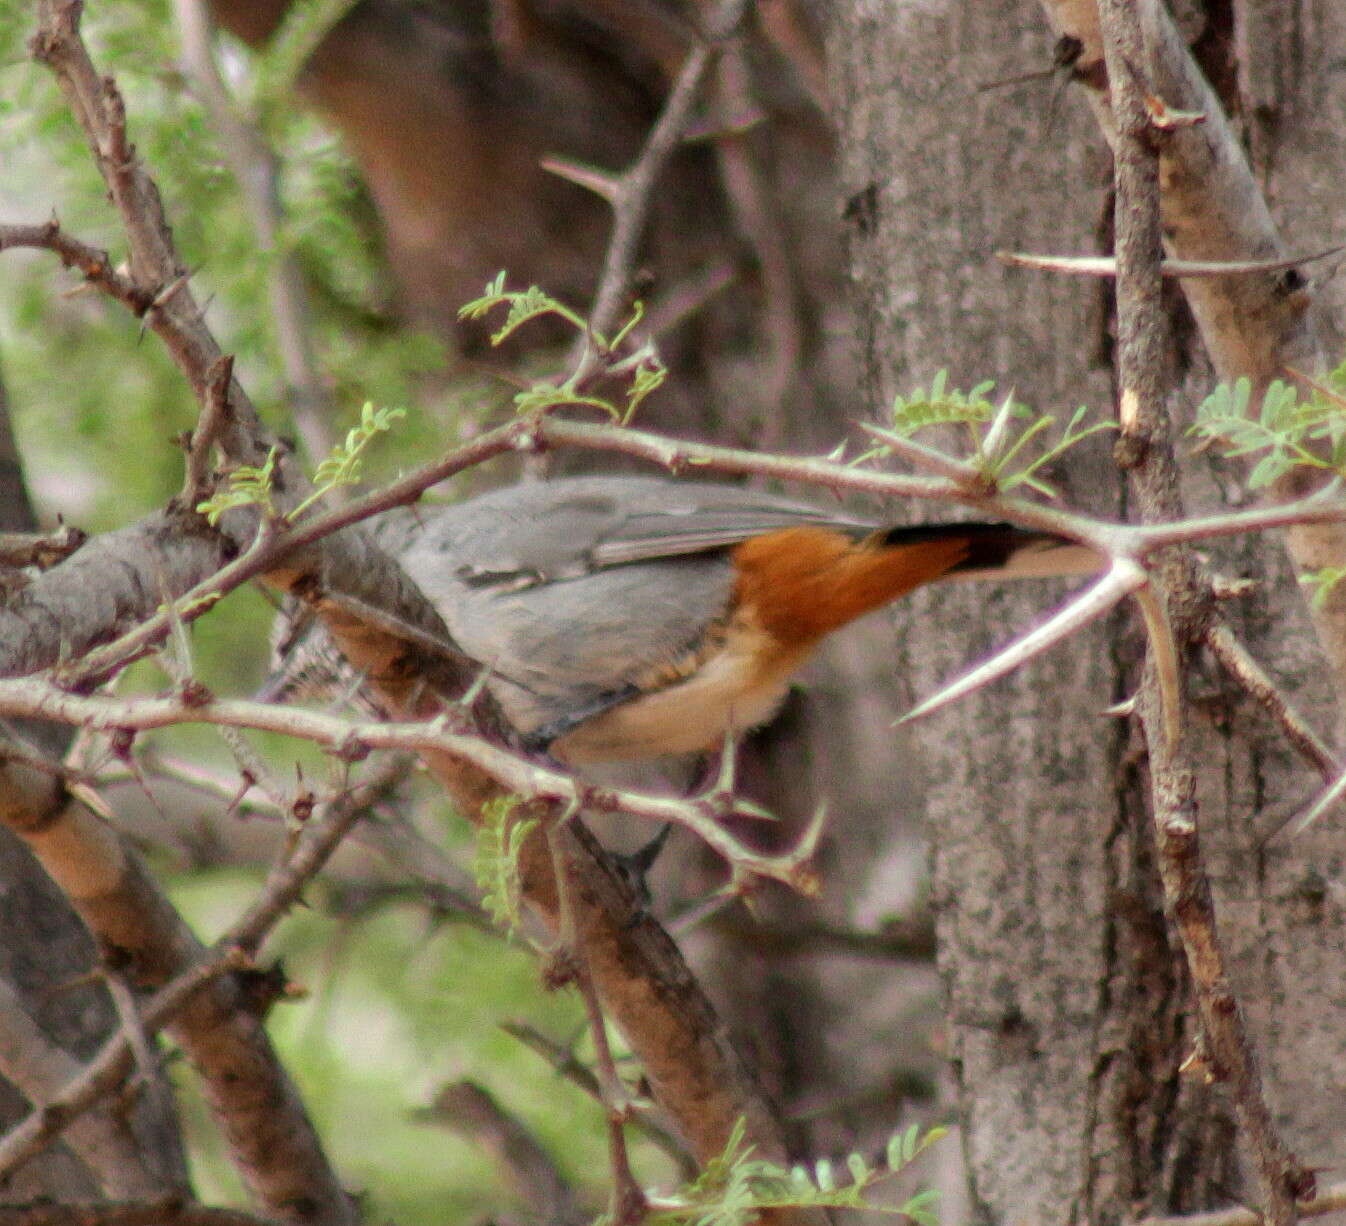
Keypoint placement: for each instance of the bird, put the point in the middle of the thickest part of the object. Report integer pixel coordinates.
(620, 618)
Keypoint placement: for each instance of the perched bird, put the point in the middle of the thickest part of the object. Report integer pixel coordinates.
(622, 618)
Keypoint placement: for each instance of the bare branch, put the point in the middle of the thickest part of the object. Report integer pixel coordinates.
(39, 1068)
(1225, 647)
(630, 195)
(564, 1061)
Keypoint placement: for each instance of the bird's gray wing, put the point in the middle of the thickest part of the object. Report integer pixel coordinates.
(571, 591)
(558, 530)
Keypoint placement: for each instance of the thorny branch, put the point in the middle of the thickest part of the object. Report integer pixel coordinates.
(42, 700)
(1145, 447)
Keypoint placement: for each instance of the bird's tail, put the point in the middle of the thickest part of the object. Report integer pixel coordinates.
(1001, 550)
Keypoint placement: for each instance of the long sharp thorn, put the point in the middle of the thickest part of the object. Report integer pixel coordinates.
(1123, 577)
(1320, 806)
(995, 435)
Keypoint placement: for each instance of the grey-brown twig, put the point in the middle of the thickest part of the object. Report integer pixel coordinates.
(630, 193)
(702, 815)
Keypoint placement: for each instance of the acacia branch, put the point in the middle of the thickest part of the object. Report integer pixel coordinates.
(704, 816)
(1148, 452)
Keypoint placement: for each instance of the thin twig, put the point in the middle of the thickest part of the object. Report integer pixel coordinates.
(196, 479)
(105, 1072)
(1240, 665)
(627, 1206)
(564, 1062)
(470, 1110)
(256, 169)
(630, 195)
(702, 815)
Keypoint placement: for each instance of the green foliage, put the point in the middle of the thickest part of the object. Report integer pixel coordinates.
(523, 305)
(495, 867)
(993, 450)
(248, 486)
(644, 369)
(1322, 582)
(1289, 431)
(943, 407)
(735, 1187)
(342, 466)
(1006, 477)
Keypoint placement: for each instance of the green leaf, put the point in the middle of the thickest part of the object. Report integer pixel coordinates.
(343, 465)
(1322, 583)
(248, 486)
(648, 377)
(523, 305)
(941, 407)
(921, 1207)
(496, 863)
(492, 296)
